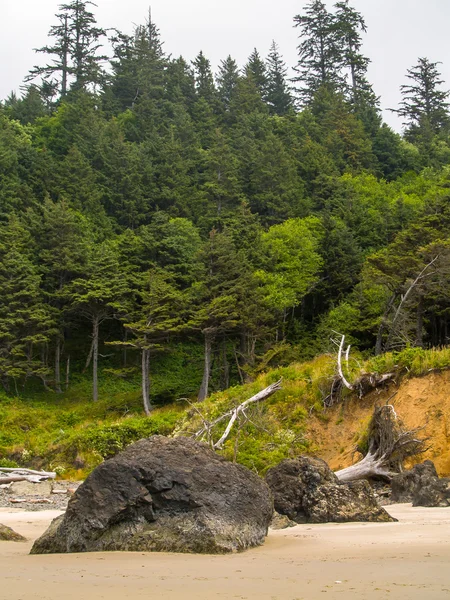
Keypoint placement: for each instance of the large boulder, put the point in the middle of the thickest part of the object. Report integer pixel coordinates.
(160, 494)
(407, 484)
(9, 535)
(307, 491)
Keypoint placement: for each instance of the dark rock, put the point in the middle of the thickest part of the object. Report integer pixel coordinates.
(307, 491)
(9, 535)
(407, 484)
(161, 494)
(421, 486)
(435, 492)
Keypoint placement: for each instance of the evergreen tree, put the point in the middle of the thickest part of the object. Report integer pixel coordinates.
(155, 316)
(349, 24)
(204, 79)
(77, 64)
(215, 298)
(227, 81)
(95, 296)
(319, 51)
(139, 65)
(26, 323)
(62, 244)
(424, 106)
(256, 70)
(28, 108)
(278, 95)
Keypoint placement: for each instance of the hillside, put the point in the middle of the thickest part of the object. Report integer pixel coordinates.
(73, 434)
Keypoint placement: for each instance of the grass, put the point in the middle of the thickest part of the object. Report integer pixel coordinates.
(71, 434)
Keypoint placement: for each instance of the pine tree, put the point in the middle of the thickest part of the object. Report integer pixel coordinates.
(26, 323)
(204, 79)
(94, 296)
(319, 53)
(215, 298)
(349, 25)
(139, 65)
(153, 319)
(278, 95)
(424, 106)
(227, 81)
(256, 70)
(62, 245)
(77, 63)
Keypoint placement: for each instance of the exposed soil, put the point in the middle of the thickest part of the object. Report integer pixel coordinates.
(418, 401)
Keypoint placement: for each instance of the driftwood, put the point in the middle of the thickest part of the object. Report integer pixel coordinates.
(11, 475)
(232, 416)
(30, 501)
(389, 444)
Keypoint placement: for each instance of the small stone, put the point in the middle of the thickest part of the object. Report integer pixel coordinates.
(281, 522)
(25, 488)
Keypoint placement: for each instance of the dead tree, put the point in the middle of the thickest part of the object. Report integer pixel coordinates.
(232, 415)
(362, 386)
(389, 444)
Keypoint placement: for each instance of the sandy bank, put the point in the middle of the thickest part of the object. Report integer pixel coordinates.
(406, 560)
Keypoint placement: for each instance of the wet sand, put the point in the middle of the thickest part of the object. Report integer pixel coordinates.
(408, 560)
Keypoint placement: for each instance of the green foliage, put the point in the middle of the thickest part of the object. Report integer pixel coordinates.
(148, 204)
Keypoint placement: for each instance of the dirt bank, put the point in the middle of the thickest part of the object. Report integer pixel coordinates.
(417, 401)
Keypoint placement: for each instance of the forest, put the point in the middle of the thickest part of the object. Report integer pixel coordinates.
(184, 229)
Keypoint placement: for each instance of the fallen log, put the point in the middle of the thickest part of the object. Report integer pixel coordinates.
(11, 475)
(48, 474)
(233, 414)
(30, 501)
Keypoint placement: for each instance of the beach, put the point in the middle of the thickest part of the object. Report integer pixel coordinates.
(406, 560)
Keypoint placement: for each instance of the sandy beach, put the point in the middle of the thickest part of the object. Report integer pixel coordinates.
(407, 560)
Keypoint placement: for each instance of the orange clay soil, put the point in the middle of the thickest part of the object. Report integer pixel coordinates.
(418, 401)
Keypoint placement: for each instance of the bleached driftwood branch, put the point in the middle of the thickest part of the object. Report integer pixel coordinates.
(234, 413)
(11, 475)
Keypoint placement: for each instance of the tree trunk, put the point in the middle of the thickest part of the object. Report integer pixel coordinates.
(58, 366)
(67, 372)
(382, 328)
(369, 467)
(95, 329)
(419, 323)
(203, 393)
(390, 444)
(225, 367)
(145, 358)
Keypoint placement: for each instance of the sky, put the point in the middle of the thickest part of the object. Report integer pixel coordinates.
(399, 31)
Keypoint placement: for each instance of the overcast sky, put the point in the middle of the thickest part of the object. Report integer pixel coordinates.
(399, 31)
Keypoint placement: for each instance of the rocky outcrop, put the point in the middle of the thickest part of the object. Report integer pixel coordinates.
(421, 486)
(161, 494)
(436, 492)
(9, 535)
(307, 491)
(405, 485)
